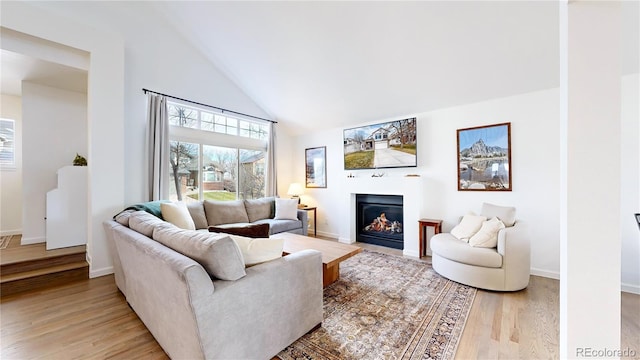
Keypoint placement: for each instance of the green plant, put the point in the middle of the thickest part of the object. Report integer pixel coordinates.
(79, 160)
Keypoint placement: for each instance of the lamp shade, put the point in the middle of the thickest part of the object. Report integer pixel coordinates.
(295, 189)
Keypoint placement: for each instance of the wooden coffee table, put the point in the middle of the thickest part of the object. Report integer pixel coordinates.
(333, 253)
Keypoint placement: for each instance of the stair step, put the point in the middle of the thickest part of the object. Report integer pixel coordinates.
(43, 277)
(41, 263)
(41, 271)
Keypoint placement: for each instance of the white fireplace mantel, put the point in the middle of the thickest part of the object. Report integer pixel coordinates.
(411, 189)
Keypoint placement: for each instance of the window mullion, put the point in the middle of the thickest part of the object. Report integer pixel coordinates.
(201, 172)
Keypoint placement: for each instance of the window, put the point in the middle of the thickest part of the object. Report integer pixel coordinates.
(215, 156)
(7, 143)
(195, 118)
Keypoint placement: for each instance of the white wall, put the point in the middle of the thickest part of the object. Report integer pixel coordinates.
(127, 52)
(11, 179)
(535, 154)
(54, 130)
(630, 182)
(156, 58)
(535, 168)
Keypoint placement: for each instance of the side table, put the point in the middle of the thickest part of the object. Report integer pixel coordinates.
(423, 224)
(312, 208)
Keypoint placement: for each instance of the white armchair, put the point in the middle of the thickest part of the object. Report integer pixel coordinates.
(503, 268)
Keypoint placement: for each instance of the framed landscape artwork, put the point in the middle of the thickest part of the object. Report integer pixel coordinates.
(316, 167)
(484, 158)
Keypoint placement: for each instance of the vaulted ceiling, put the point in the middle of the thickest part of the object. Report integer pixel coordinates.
(325, 64)
(335, 63)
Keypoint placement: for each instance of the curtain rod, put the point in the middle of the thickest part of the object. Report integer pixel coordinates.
(207, 105)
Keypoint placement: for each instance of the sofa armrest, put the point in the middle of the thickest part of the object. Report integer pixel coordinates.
(515, 248)
(304, 217)
(276, 303)
(160, 285)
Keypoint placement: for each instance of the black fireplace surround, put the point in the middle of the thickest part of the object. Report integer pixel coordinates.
(379, 220)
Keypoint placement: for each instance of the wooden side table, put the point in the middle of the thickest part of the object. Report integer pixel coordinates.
(423, 224)
(312, 208)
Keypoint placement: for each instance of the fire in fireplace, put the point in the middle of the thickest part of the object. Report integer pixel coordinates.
(379, 220)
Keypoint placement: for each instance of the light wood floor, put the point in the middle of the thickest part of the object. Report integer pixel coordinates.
(91, 320)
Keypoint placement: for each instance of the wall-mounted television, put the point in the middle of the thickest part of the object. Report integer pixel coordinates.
(387, 145)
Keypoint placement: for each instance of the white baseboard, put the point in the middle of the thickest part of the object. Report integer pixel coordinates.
(326, 234)
(100, 272)
(545, 273)
(33, 240)
(410, 253)
(345, 240)
(10, 232)
(629, 288)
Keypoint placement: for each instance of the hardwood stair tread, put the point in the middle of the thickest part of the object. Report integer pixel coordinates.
(5, 278)
(38, 251)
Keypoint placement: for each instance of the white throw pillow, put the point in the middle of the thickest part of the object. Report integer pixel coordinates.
(468, 227)
(286, 209)
(258, 250)
(177, 214)
(487, 236)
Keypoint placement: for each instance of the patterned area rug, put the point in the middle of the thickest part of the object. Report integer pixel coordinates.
(4, 241)
(387, 307)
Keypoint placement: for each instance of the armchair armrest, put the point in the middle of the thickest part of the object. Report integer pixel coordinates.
(515, 248)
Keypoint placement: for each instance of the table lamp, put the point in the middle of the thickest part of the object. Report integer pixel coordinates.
(295, 190)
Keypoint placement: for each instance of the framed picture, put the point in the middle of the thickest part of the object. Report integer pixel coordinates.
(391, 144)
(484, 158)
(315, 161)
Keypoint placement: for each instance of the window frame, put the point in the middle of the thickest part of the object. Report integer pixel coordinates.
(12, 164)
(218, 139)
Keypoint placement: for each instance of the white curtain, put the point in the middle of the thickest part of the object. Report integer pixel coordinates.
(272, 185)
(157, 147)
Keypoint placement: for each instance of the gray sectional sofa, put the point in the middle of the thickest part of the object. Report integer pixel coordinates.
(173, 280)
(244, 212)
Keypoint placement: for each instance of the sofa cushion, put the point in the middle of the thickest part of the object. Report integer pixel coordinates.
(225, 212)
(256, 251)
(177, 214)
(507, 214)
(447, 246)
(469, 225)
(144, 223)
(487, 236)
(258, 209)
(218, 254)
(196, 209)
(251, 231)
(278, 226)
(286, 209)
(123, 217)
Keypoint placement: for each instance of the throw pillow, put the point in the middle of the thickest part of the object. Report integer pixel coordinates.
(286, 209)
(469, 225)
(144, 222)
(177, 214)
(123, 217)
(487, 236)
(507, 214)
(256, 251)
(252, 231)
(196, 209)
(258, 209)
(225, 212)
(218, 254)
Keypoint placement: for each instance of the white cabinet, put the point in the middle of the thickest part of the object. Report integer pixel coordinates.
(67, 209)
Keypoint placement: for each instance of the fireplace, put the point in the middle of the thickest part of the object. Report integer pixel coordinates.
(380, 220)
